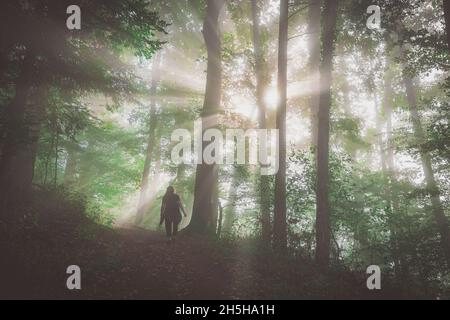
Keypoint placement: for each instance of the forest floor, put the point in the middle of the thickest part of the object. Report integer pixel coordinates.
(131, 263)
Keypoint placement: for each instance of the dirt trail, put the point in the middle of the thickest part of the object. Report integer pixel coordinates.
(149, 267)
(125, 263)
(132, 263)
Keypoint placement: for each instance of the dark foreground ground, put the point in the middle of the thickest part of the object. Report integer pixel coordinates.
(130, 263)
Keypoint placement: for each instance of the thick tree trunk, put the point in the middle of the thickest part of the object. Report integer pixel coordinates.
(432, 186)
(19, 148)
(143, 197)
(279, 219)
(323, 225)
(264, 183)
(206, 179)
(314, 63)
(447, 20)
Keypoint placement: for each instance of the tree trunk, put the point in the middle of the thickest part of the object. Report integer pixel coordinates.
(279, 219)
(323, 225)
(401, 267)
(420, 137)
(206, 179)
(264, 183)
(143, 205)
(389, 155)
(388, 170)
(314, 63)
(447, 20)
(19, 148)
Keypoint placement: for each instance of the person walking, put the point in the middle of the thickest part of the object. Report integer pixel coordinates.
(171, 210)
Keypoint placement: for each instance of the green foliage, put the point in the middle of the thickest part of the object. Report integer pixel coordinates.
(439, 130)
(91, 105)
(365, 227)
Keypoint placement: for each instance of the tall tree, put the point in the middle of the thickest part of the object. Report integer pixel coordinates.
(386, 146)
(264, 183)
(142, 206)
(279, 219)
(315, 7)
(433, 189)
(387, 158)
(323, 225)
(430, 180)
(17, 162)
(205, 196)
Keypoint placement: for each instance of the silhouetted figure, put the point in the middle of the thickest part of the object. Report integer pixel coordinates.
(171, 209)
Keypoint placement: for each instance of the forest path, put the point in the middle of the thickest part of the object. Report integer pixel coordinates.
(133, 263)
(153, 268)
(245, 280)
(124, 263)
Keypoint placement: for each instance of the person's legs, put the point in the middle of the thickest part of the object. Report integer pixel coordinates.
(175, 228)
(176, 224)
(168, 228)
